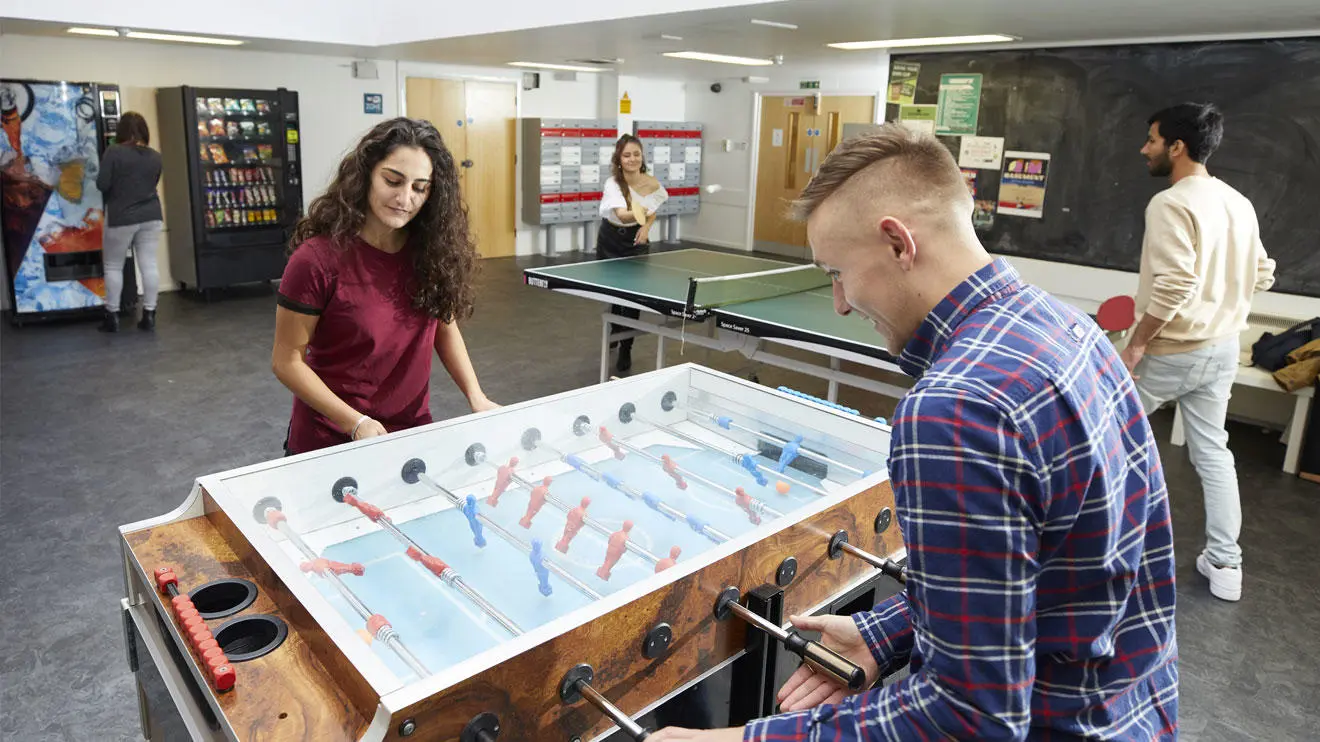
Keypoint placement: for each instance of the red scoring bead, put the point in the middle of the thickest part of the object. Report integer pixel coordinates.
(164, 578)
(224, 678)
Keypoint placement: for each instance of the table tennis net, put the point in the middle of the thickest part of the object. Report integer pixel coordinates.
(719, 291)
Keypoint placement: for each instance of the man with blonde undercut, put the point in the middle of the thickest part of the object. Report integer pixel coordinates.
(1040, 594)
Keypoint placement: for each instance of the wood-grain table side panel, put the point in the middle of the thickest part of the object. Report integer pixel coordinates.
(523, 691)
(342, 670)
(284, 696)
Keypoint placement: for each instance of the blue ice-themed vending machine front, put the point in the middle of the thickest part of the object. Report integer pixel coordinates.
(50, 209)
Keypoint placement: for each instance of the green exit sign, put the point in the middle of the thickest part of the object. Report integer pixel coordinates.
(809, 85)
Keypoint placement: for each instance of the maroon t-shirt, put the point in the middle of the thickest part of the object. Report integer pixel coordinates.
(370, 346)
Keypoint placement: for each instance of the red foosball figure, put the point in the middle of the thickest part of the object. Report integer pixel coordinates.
(534, 505)
(574, 524)
(668, 561)
(503, 476)
(618, 543)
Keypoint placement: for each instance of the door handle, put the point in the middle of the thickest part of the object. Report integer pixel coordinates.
(466, 163)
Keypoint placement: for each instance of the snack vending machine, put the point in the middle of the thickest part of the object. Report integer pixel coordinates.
(52, 216)
(233, 183)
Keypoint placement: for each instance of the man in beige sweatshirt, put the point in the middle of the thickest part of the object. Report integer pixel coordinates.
(1201, 262)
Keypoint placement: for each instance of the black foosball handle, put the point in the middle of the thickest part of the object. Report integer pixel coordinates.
(825, 660)
(815, 654)
(839, 546)
(577, 685)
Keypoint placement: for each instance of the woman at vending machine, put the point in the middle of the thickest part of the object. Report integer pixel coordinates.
(627, 208)
(380, 274)
(129, 173)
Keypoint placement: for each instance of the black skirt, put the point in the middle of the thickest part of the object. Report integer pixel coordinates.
(613, 241)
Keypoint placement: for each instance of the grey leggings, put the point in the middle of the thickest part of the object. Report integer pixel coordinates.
(144, 238)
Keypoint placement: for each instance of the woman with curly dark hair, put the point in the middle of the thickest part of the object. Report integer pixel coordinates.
(380, 273)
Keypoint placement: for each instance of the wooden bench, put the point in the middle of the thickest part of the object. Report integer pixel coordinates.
(1261, 379)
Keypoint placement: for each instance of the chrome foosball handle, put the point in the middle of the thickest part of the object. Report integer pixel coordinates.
(839, 546)
(576, 685)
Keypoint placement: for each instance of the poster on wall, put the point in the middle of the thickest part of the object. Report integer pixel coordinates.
(903, 83)
(1022, 184)
(921, 118)
(983, 215)
(969, 176)
(981, 152)
(959, 105)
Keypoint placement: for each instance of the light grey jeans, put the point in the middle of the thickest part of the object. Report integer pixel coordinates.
(145, 239)
(1201, 382)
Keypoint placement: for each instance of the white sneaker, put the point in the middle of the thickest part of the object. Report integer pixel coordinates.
(1225, 582)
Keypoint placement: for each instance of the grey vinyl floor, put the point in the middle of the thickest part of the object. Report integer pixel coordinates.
(98, 430)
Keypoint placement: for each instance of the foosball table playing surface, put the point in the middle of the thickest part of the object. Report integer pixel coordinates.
(539, 572)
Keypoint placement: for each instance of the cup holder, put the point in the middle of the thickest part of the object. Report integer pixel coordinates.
(250, 637)
(223, 597)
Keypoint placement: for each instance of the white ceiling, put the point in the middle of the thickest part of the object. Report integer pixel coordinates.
(350, 23)
(474, 34)
(729, 31)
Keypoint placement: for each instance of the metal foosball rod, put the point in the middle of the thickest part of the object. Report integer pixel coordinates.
(839, 545)
(726, 422)
(347, 494)
(754, 507)
(269, 512)
(532, 440)
(576, 685)
(587, 520)
(414, 471)
(746, 461)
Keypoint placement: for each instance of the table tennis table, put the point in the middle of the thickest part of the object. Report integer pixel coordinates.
(658, 284)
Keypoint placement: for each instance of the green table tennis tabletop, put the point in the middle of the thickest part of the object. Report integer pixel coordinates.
(660, 275)
(660, 282)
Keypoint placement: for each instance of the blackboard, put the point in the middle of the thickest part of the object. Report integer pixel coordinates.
(1087, 107)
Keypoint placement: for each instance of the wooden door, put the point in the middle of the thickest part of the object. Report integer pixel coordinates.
(442, 103)
(782, 170)
(492, 112)
(477, 121)
(787, 160)
(835, 111)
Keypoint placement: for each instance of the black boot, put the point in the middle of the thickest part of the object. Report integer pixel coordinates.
(148, 321)
(625, 358)
(109, 322)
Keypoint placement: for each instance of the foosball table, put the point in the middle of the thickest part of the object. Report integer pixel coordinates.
(544, 571)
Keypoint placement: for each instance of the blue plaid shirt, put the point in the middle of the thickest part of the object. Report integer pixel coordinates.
(1040, 594)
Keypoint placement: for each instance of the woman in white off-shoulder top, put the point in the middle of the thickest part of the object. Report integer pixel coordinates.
(628, 206)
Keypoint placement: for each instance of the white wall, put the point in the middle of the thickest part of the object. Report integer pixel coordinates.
(729, 115)
(652, 100)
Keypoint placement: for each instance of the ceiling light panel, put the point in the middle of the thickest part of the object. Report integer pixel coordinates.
(82, 31)
(720, 58)
(564, 67)
(150, 36)
(993, 38)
